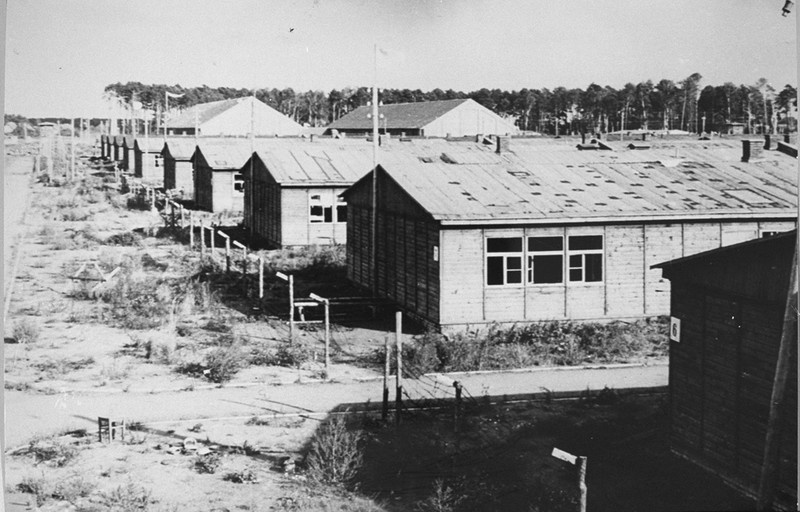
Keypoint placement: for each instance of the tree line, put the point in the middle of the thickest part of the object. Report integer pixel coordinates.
(666, 104)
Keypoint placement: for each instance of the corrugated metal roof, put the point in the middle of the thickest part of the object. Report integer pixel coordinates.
(511, 192)
(398, 116)
(201, 113)
(315, 164)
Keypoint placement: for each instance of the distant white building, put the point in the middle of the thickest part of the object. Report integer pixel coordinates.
(454, 118)
(232, 117)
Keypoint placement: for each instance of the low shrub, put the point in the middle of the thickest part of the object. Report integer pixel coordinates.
(208, 463)
(292, 355)
(126, 239)
(224, 362)
(335, 455)
(26, 330)
(72, 488)
(52, 452)
(246, 476)
(36, 485)
(54, 368)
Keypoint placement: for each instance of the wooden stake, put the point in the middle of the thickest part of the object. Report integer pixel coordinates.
(398, 322)
(291, 308)
(228, 255)
(387, 363)
(213, 236)
(191, 230)
(581, 461)
(182, 218)
(260, 276)
(327, 336)
(457, 408)
(202, 236)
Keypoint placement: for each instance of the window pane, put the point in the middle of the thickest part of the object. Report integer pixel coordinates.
(504, 244)
(514, 276)
(494, 270)
(576, 260)
(328, 214)
(514, 263)
(585, 243)
(576, 274)
(548, 269)
(316, 197)
(341, 213)
(594, 267)
(546, 243)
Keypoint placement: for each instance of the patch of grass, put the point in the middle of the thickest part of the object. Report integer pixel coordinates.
(219, 365)
(58, 367)
(292, 355)
(128, 498)
(26, 330)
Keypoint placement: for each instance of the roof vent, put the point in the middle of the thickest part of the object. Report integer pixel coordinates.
(638, 145)
(585, 147)
(752, 150)
(502, 145)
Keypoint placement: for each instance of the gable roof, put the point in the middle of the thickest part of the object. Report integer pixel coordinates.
(398, 115)
(223, 153)
(202, 113)
(149, 145)
(180, 148)
(515, 192)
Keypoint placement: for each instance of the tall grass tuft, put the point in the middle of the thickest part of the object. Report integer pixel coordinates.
(335, 455)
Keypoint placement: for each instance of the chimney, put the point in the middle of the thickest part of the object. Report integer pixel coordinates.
(311, 137)
(479, 137)
(502, 145)
(767, 141)
(786, 138)
(644, 136)
(751, 150)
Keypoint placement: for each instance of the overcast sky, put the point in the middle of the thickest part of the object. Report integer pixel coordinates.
(62, 53)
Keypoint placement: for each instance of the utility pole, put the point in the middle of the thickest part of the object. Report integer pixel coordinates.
(374, 265)
(399, 386)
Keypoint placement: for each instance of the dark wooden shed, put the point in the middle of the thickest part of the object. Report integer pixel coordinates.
(727, 309)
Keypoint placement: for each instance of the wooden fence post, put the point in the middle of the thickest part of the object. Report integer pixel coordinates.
(213, 237)
(191, 230)
(398, 322)
(457, 409)
(581, 461)
(227, 254)
(202, 236)
(181, 210)
(291, 308)
(260, 275)
(386, 364)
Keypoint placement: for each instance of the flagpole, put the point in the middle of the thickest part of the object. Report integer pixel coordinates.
(166, 109)
(375, 171)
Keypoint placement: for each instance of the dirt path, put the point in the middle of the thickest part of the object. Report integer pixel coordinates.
(29, 415)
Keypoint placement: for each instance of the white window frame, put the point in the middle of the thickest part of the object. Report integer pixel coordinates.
(236, 181)
(323, 201)
(530, 255)
(339, 201)
(506, 255)
(583, 253)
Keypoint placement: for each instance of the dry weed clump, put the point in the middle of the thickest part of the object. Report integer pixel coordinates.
(26, 330)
